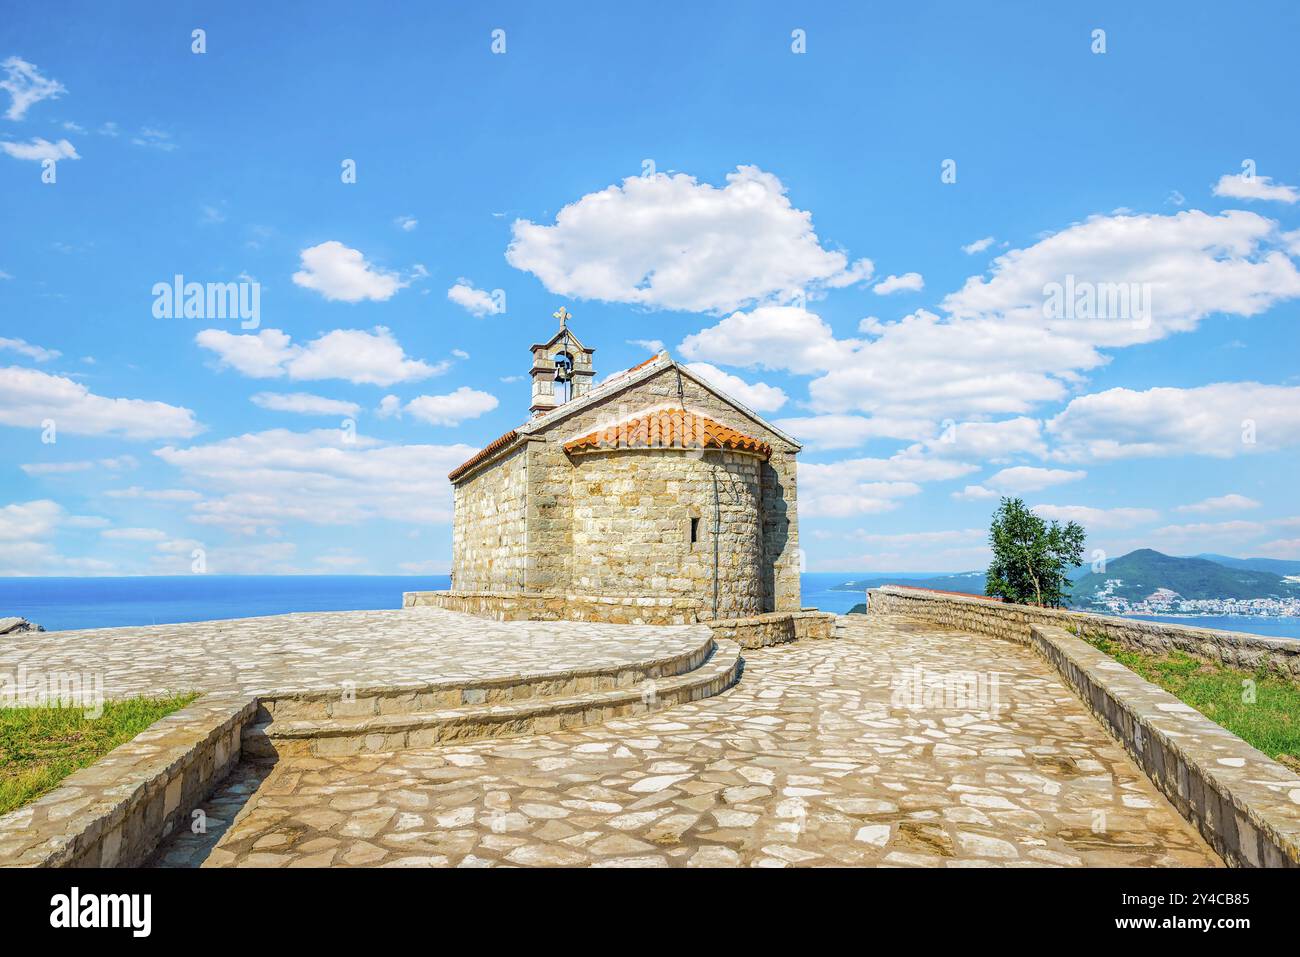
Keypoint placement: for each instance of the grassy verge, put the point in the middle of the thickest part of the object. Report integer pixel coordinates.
(1271, 722)
(39, 747)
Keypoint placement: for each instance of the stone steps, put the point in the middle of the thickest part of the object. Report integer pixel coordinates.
(379, 733)
(368, 702)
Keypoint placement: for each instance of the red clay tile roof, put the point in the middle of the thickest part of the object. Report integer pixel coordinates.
(496, 445)
(667, 429)
(639, 365)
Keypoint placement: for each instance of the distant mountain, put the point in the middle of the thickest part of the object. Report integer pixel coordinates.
(1278, 566)
(971, 583)
(1138, 574)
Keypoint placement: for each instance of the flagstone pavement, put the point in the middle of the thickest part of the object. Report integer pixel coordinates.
(820, 755)
(326, 650)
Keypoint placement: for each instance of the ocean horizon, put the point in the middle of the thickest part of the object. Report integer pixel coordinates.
(67, 604)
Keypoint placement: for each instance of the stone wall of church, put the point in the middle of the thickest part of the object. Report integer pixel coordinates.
(784, 560)
(633, 512)
(489, 543)
(552, 565)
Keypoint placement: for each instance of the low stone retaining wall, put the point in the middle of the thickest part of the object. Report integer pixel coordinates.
(774, 628)
(1007, 620)
(539, 606)
(757, 631)
(115, 812)
(1246, 805)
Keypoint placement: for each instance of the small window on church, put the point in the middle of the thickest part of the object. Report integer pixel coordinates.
(695, 530)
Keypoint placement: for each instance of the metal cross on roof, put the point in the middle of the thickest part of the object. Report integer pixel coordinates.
(563, 315)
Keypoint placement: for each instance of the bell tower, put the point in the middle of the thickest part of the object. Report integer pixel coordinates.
(561, 369)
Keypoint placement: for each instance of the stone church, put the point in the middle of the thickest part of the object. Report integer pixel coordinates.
(650, 497)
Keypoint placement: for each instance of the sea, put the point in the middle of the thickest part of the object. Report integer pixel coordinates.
(62, 604)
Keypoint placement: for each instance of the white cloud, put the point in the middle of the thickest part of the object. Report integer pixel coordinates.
(135, 534)
(975, 493)
(957, 368)
(476, 302)
(759, 396)
(172, 495)
(304, 403)
(978, 246)
(654, 346)
(1091, 518)
(453, 408)
(29, 520)
(920, 366)
(1193, 264)
(1220, 503)
(826, 432)
(956, 549)
(264, 479)
(1222, 420)
(406, 223)
(29, 350)
(863, 499)
(859, 486)
(772, 337)
(154, 139)
(671, 242)
(1237, 186)
(39, 149)
(341, 559)
(1025, 478)
(956, 536)
(1279, 548)
(361, 357)
(990, 441)
(431, 567)
(374, 358)
(28, 398)
(80, 465)
(259, 356)
(342, 274)
(996, 353)
(908, 282)
(26, 86)
(174, 557)
(26, 527)
(1197, 537)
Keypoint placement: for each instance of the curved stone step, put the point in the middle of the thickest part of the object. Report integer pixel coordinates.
(317, 705)
(425, 729)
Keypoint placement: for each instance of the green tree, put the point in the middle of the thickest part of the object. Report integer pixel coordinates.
(1031, 559)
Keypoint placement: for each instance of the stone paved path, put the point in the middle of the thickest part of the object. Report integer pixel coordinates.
(324, 650)
(820, 756)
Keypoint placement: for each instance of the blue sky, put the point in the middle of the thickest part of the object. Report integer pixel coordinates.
(684, 177)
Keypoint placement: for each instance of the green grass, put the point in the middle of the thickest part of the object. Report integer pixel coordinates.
(1270, 723)
(39, 747)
